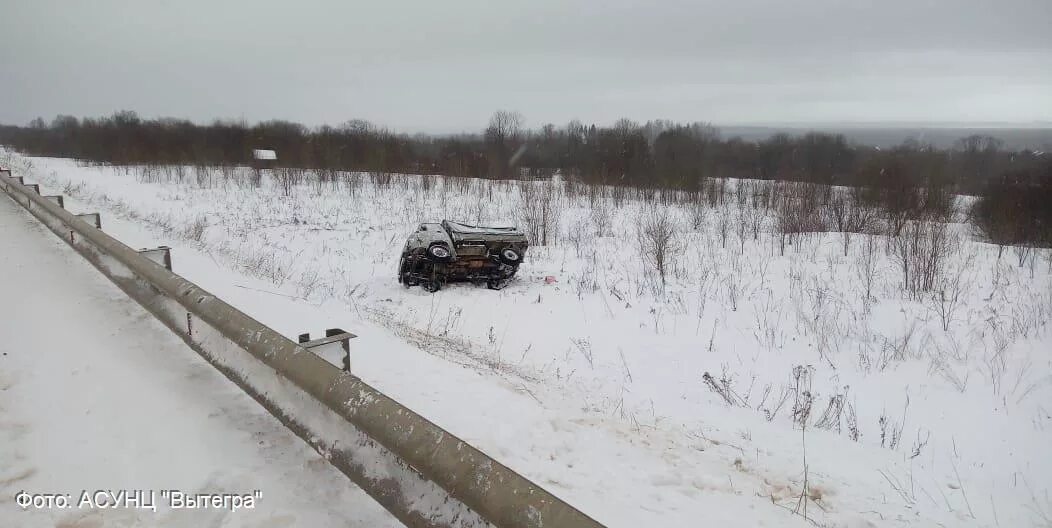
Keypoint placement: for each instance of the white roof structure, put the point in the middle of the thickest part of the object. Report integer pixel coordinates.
(262, 154)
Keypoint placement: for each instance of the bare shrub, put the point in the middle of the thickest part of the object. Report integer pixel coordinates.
(715, 189)
(579, 235)
(844, 214)
(229, 173)
(723, 388)
(802, 397)
(723, 224)
(255, 179)
(203, 176)
(937, 201)
(540, 211)
(921, 251)
(696, 211)
(741, 194)
(770, 407)
(478, 210)
(851, 419)
(352, 181)
(317, 183)
(897, 349)
(1017, 210)
(584, 346)
(830, 418)
(866, 268)
(176, 173)
(768, 322)
(288, 178)
(837, 211)
(148, 174)
(948, 297)
(890, 430)
(741, 228)
(618, 195)
(601, 218)
(755, 217)
(195, 231)
(659, 241)
(763, 194)
(380, 179)
(798, 211)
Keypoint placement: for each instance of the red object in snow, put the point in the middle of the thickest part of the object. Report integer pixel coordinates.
(550, 280)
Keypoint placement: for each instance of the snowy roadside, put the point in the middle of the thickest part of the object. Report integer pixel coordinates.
(602, 404)
(97, 395)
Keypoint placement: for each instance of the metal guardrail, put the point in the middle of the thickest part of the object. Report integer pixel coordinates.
(423, 475)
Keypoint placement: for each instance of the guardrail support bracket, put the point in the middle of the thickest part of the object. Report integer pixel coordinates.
(332, 335)
(94, 219)
(161, 255)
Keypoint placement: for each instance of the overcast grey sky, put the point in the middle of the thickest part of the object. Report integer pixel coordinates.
(425, 65)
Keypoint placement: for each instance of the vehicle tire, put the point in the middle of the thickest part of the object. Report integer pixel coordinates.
(432, 286)
(510, 257)
(495, 284)
(439, 252)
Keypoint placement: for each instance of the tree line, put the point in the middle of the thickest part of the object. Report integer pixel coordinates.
(656, 154)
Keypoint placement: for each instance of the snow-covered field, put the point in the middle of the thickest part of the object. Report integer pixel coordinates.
(927, 409)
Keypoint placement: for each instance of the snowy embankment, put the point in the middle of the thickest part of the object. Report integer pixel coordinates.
(928, 409)
(97, 395)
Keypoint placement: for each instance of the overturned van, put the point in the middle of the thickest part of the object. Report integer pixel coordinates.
(437, 253)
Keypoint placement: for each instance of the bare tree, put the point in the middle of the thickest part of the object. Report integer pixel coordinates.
(503, 139)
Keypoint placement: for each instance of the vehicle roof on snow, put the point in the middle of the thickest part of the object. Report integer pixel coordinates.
(465, 229)
(264, 154)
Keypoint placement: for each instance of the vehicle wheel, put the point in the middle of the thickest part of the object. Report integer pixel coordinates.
(432, 285)
(510, 257)
(439, 252)
(495, 284)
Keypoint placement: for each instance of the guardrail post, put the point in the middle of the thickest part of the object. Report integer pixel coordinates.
(332, 335)
(94, 219)
(161, 255)
(7, 172)
(345, 343)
